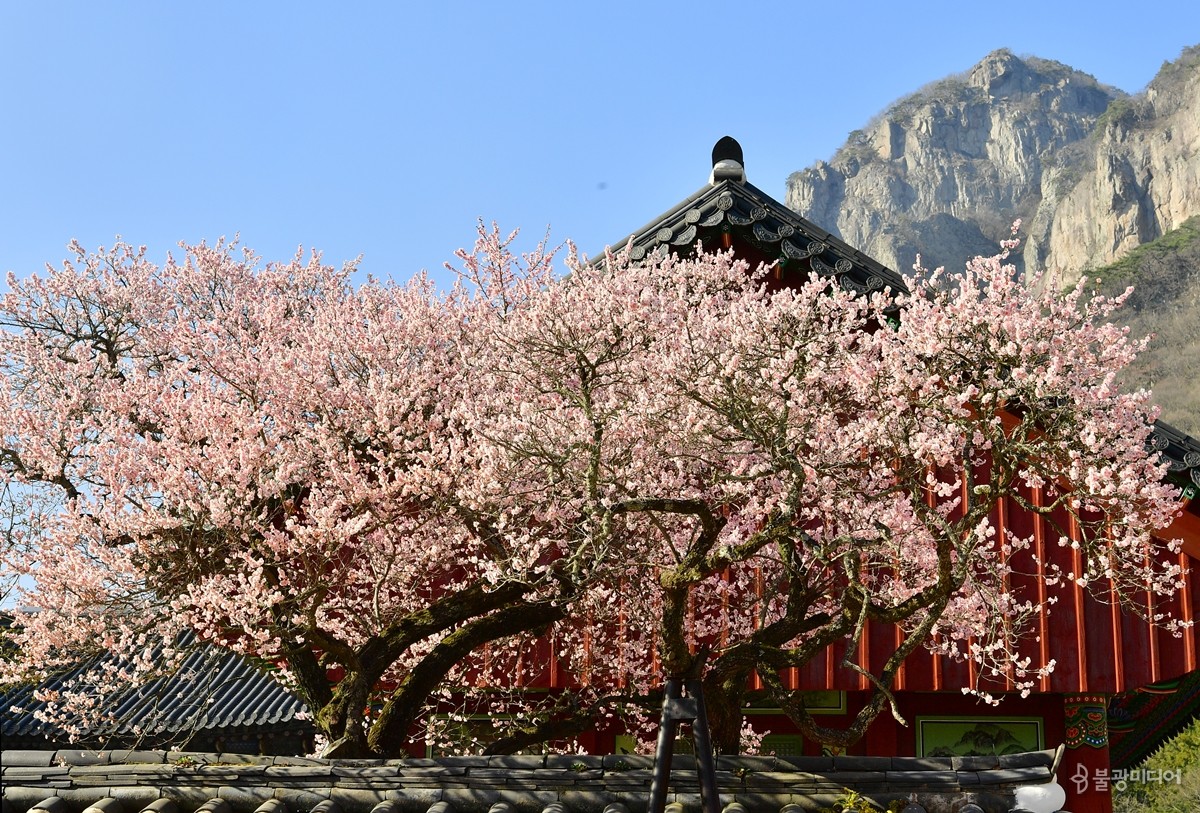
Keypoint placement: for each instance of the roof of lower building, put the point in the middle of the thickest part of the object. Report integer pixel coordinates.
(212, 690)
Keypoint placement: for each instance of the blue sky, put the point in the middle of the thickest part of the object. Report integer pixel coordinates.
(387, 129)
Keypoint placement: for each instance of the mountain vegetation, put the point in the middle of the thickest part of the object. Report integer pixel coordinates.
(1165, 305)
(1180, 759)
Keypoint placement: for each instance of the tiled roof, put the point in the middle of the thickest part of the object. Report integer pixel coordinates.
(156, 782)
(213, 690)
(755, 219)
(1181, 453)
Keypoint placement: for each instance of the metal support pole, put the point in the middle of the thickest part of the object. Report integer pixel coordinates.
(706, 766)
(677, 709)
(668, 727)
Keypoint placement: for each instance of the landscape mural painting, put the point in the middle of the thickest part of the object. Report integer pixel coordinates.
(972, 737)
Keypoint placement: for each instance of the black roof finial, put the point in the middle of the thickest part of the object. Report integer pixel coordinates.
(727, 161)
(727, 148)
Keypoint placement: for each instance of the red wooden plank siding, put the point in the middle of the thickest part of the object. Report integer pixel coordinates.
(1097, 646)
(1171, 653)
(1067, 615)
(1140, 664)
(1024, 525)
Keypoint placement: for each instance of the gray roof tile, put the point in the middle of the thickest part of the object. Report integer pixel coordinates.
(473, 785)
(213, 689)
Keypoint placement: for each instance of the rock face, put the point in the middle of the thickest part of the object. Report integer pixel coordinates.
(1092, 172)
(1145, 177)
(945, 171)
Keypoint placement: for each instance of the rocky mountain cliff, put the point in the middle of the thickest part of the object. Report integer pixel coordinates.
(1142, 175)
(1092, 172)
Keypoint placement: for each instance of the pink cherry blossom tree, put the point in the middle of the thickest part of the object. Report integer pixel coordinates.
(398, 494)
(271, 458)
(777, 469)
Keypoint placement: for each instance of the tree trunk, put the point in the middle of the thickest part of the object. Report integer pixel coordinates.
(724, 695)
(404, 706)
(340, 720)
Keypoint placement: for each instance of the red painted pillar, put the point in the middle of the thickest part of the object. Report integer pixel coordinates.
(1084, 771)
